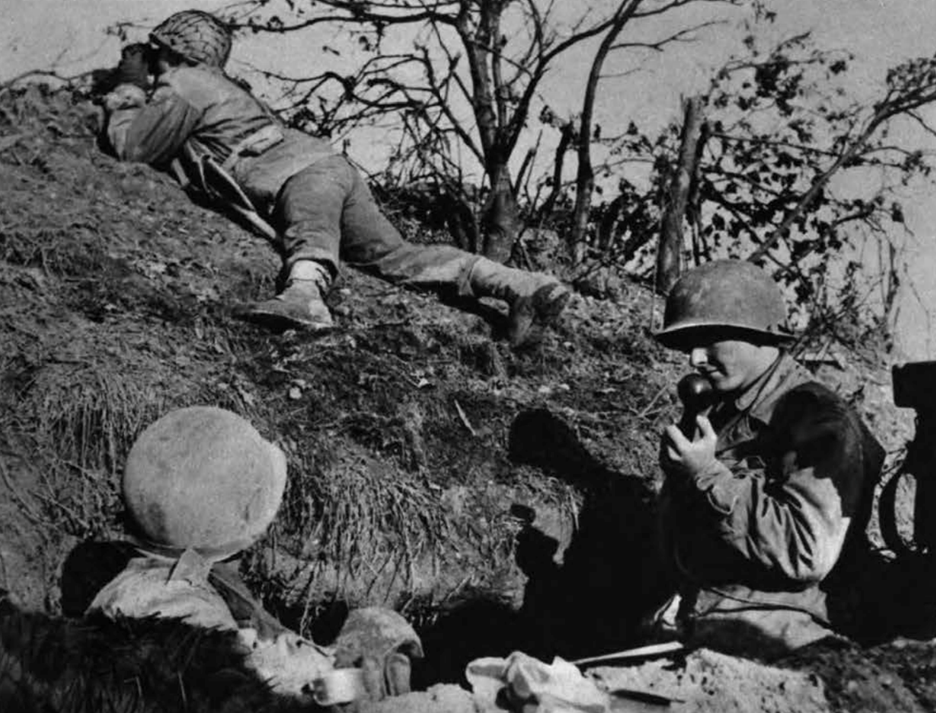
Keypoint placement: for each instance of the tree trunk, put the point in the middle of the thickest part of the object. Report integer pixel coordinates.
(567, 134)
(585, 178)
(669, 262)
(461, 222)
(501, 218)
(584, 186)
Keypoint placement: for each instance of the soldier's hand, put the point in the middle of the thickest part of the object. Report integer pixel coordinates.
(681, 456)
(386, 676)
(134, 66)
(125, 96)
(382, 644)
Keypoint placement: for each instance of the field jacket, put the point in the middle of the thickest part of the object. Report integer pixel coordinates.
(752, 537)
(196, 114)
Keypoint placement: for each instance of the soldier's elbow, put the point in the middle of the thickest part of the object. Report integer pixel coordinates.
(812, 567)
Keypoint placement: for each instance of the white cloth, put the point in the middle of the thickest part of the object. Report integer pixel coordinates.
(529, 685)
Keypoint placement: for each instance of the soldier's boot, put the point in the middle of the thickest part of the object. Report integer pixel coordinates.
(301, 305)
(536, 300)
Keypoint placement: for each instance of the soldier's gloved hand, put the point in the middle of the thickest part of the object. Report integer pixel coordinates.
(134, 66)
(382, 644)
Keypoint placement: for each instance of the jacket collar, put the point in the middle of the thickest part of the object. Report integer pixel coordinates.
(760, 399)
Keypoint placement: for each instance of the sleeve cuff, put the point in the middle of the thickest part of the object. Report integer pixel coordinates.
(720, 487)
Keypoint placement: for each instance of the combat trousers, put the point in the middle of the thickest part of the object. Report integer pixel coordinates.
(327, 213)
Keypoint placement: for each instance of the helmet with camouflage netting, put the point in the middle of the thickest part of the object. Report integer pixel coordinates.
(199, 37)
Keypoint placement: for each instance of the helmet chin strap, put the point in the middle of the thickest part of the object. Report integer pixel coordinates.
(175, 554)
(192, 567)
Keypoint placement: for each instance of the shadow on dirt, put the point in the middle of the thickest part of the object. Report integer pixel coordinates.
(590, 603)
(474, 627)
(874, 598)
(88, 567)
(610, 576)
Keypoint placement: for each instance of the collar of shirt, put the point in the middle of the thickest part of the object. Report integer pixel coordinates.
(740, 419)
(760, 399)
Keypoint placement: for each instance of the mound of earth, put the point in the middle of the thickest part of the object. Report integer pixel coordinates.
(410, 431)
(421, 448)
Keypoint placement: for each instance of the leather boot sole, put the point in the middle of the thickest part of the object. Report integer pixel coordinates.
(278, 315)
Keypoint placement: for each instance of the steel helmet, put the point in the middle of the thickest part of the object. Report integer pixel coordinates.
(732, 294)
(198, 36)
(202, 478)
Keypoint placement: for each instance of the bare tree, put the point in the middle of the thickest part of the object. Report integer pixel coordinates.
(463, 89)
(585, 176)
(669, 251)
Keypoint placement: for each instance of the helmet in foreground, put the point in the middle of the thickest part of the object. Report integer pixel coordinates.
(202, 478)
(198, 36)
(728, 295)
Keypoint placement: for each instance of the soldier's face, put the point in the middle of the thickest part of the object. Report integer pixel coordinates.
(731, 365)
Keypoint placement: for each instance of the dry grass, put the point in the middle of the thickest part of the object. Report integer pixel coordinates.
(82, 420)
(367, 526)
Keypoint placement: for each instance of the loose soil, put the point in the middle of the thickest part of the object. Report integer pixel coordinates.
(420, 446)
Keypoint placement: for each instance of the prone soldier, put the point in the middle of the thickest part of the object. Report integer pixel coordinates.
(223, 144)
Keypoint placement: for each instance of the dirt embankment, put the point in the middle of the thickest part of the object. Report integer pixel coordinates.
(410, 432)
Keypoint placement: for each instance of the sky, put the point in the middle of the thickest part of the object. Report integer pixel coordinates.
(70, 36)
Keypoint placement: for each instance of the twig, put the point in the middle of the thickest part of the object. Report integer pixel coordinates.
(464, 418)
(646, 409)
(8, 142)
(7, 85)
(451, 594)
